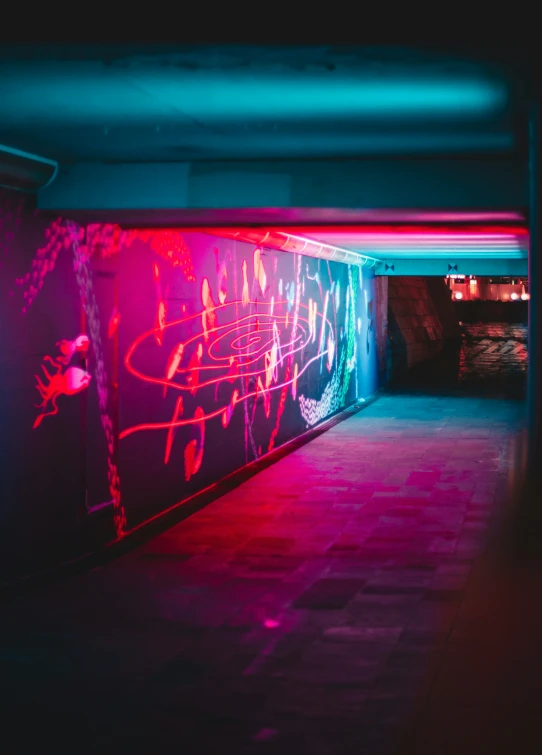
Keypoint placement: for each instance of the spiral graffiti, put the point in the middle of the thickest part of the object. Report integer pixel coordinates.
(255, 351)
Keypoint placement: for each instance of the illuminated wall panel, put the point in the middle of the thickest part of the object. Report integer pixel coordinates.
(229, 350)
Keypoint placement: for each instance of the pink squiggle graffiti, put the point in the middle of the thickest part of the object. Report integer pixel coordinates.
(107, 239)
(44, 262)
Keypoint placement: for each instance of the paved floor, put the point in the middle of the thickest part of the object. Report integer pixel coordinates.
(491, 360)
(493, 354)
(311, 610)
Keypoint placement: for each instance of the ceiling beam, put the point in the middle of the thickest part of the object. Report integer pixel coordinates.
(441, 268)
(108, 190)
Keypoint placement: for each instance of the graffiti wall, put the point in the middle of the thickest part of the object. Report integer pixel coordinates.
(229, 351)
(139, 367)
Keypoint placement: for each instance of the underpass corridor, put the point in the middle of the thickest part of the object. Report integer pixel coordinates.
(334, 603)
(270, 409)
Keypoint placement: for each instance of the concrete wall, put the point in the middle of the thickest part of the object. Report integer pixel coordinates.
(421, 320)
(42, 471)
(101, 427)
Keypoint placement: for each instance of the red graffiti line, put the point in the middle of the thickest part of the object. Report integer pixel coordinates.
(282, 404)
(251, 348)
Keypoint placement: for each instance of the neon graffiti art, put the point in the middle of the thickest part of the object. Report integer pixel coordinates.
(335, 392)
(260, 347)
(245, 294)
(222, 276)
(254, 350)
(170, 245)
(67, 383)
(69, 348)
(114, 322)
(249, 349)
(43, 263)
(259, 270)
(208, 316)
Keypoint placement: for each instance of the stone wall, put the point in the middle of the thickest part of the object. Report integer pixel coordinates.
(421, 320)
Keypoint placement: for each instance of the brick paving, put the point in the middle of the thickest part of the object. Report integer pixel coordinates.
(490, 360)
(310, 610)
(493, 351)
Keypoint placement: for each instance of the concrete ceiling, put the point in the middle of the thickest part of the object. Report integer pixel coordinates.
(201, 103)
(284, 135)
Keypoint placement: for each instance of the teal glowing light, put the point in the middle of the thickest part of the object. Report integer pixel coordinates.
(268, 97)
(54, 94)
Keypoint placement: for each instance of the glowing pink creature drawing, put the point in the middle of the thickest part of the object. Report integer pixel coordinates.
(67, 383)
(69, 348)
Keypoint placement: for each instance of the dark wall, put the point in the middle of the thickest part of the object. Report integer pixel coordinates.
(444, 306)
(421, 320)
(492, 311)
(122, 433)
(41, 471)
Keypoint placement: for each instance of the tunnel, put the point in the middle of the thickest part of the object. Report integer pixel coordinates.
(270, 410)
